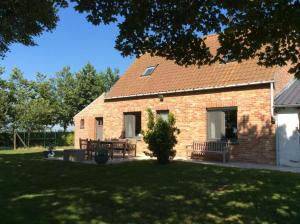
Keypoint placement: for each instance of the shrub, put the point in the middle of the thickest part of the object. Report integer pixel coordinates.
(161, 137)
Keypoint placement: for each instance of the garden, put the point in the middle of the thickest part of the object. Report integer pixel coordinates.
(36, 190)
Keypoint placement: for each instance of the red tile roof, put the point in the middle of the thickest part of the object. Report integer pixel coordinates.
(170, 77)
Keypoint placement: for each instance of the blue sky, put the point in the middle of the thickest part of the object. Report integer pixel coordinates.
(73, 43)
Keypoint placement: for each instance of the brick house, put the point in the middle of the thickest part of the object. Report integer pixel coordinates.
(232, 101)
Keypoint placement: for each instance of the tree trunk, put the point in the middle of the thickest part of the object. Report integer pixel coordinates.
(15, 139)
(28, 138)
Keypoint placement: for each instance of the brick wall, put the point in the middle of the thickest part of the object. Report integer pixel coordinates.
(256, 142)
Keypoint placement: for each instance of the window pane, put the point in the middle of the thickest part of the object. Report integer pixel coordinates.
(216, 125)
(129, 126)
(222, 124)
(133, 124)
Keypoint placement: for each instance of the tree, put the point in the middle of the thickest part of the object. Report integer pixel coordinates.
(161, 137)
(266, 29)
(89, 85)
(3, 101)
(31, 105)
(21, 20)
(74, 91)
(65, 92)
(109, 78)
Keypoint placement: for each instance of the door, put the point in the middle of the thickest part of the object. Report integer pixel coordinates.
(288, 138)
(99, 128)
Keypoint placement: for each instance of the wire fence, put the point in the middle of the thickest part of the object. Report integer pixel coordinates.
(39, 139)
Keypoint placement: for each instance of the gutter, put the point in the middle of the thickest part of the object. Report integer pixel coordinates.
(190, 90)
(287, 105)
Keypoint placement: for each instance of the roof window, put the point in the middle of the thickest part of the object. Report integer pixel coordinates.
(149, 70)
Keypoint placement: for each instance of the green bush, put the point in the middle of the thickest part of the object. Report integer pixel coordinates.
(65, 139)
(161, 137)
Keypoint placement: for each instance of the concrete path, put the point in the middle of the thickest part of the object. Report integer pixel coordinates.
(245, 165)
(228, 164)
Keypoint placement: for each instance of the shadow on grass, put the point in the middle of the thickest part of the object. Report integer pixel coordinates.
(34, 190)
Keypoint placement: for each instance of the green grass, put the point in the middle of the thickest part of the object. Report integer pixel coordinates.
(34, 190)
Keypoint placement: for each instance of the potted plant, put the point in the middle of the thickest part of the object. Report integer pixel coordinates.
(102, 155)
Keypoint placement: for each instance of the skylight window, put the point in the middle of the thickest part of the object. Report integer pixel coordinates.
(148, 71)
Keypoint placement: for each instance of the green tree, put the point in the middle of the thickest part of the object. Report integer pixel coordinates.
(89, 85)
(161, 137)
(21, 20)
(3, 101)
(31, 105)
(74, 91)
(65, 92)
(109, 78)
(267, 29)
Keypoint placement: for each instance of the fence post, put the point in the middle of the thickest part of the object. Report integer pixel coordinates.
(15, 139)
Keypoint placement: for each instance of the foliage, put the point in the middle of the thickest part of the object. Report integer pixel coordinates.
(65, 138)
(161, 137)
(74, 91)
(265, 29)
(88, 86)
(65, 91)
(3, 100)
(34, 190)
(31, 103)
(38, 138)
(173, 29)
(21, 20)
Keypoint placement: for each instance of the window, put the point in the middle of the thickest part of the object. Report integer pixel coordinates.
(133, 124)
(164, 114)
(222, 124)
(82, 124)
(149, 70)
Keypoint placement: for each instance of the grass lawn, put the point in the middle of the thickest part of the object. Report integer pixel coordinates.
(34, 190)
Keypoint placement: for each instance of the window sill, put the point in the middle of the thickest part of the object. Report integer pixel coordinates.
(230, 142)
(135, 138)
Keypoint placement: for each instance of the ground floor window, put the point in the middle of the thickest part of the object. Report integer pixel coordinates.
(164, 114)
(132, 124)
(222, 124)
(81, 123)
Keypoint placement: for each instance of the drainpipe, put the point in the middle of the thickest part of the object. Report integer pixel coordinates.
(273, 118)
(272, 99)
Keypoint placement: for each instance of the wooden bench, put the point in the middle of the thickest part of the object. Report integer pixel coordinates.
(198, 149)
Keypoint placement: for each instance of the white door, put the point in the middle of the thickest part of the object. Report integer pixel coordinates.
(288, 138)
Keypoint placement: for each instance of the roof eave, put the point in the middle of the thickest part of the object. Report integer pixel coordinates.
(287, 105)
(190, 90)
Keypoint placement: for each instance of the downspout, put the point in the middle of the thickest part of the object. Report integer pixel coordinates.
(275, 119)
(272, 99)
